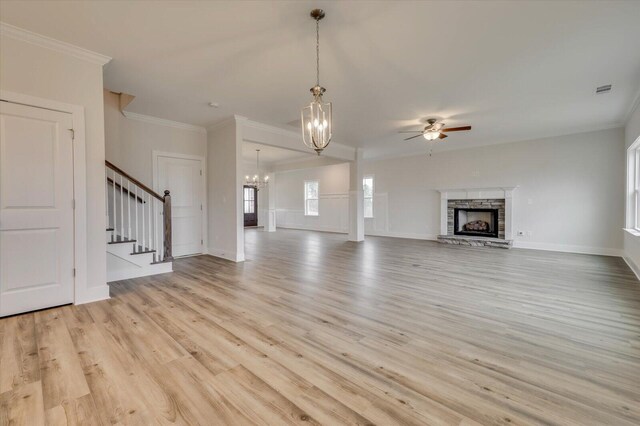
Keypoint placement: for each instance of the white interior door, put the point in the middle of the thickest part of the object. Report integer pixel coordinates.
(36, 208)
(183, 177)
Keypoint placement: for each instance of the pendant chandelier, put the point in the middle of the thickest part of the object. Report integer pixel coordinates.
(316, 118)
(257, 182)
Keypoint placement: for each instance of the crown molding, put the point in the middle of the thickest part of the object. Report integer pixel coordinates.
(232, 119)
(163, 122)
(16, 33)
(271, 129)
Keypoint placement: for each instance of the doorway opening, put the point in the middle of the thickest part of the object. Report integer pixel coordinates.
(250, 205)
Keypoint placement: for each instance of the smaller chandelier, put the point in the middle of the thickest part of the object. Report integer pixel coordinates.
(257, 182)
(316, 118)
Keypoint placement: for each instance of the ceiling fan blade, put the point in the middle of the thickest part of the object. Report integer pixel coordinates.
(410, 131)
(413, 137)
(442, 136)
(456, 129)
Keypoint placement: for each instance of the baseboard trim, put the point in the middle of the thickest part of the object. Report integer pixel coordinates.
(312, 228)
(225, 254)
(632, 265)
(567, 248)
(93, 294)
(154, 269)
(407, 235)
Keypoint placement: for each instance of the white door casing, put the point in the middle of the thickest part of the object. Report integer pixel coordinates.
(36, 208)
(183, 176)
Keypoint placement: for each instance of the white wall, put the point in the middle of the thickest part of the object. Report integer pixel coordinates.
(632, 242)
(129, 143)
(333, 184)
(37, 71)
(570, 194)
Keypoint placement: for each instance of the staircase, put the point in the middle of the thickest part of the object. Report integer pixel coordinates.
(138, 235)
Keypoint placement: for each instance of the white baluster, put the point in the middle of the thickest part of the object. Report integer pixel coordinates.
(121, 209)
(144, 240)
(113, 206)
(161, 230)
(106, 195)
(129, 209)
(158, 233)
(135, 187)
(155, 232)
(150, 222)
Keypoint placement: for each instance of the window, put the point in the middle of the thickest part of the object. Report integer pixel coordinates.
(633, 186)
(367, 186)
(311, 198)
(249, 200)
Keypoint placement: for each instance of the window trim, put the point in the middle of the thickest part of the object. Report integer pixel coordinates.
(306, 200)
(632, 221)
(248, 190)
(373, 191)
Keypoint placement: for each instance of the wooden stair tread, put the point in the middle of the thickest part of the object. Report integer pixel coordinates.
(120, 240)
(142, 252)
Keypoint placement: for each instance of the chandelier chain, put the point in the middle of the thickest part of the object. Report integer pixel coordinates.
(317, 52)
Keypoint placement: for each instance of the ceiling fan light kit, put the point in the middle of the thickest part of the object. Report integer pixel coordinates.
(431, 135)
(317, 120)
(434, 130)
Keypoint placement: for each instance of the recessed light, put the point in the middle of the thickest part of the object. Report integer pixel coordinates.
(603, 89)
(214, 104)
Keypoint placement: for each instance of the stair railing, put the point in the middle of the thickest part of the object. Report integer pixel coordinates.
(138, 214)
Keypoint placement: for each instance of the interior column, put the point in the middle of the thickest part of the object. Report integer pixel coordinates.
(270, 226)
(356, 199)
(224, 166)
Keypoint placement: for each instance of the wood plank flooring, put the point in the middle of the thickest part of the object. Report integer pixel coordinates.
(316, 330)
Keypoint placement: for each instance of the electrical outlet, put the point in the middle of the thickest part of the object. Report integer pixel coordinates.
(520, 233)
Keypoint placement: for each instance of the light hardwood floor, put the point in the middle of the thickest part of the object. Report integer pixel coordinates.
(314, 329)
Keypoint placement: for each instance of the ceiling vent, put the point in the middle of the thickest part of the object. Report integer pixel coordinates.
(603, 89)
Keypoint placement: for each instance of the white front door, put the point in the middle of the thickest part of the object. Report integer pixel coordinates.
(36, 208)
(183, 177)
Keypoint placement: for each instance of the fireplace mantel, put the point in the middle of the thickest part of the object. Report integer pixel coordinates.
(475, 193)
(503, 192)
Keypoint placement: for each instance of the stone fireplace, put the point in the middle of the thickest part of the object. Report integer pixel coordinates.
(477, 217)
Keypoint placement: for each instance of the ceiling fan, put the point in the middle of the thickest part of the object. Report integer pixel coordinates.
(434, 130)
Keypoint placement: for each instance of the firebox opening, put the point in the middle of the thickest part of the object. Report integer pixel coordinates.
(476, 222)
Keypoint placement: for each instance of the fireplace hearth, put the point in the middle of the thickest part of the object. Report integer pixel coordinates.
(476, 222)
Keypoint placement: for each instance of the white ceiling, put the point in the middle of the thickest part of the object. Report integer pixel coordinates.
(513, 70)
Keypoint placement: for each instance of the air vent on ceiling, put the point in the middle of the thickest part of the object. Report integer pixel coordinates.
(603, 89)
